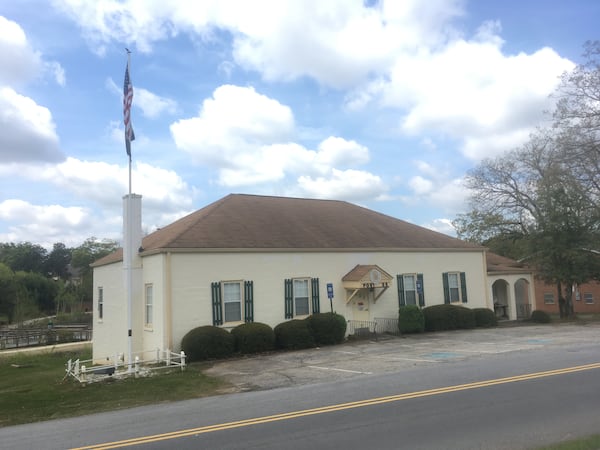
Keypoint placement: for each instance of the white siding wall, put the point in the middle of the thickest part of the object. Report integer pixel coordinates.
(192, 275)
(183, 281)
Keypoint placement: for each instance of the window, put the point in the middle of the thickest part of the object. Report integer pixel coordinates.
(588, 297)
(232, 301)
(301, 297)
(410, 289)
(548, 298)
(149, 303)
(227, 299)
(455, 287)
(100, 303)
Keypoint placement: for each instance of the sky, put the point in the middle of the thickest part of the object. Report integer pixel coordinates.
(385, 104)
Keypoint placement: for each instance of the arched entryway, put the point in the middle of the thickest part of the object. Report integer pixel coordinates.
(500, 294)
(522, 299)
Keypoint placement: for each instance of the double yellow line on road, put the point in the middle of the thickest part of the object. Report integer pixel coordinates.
(338, 407)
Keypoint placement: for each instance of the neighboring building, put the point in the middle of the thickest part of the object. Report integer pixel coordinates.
(586, 297)
(269, 259)
(512, 286)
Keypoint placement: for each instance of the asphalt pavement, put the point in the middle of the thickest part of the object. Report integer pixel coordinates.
(389, 354)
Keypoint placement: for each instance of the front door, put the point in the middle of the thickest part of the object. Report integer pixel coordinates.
(360, 307)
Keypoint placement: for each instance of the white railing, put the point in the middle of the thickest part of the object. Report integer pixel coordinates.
(85, 371)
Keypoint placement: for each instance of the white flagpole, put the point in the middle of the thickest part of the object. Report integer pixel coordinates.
(129, 245)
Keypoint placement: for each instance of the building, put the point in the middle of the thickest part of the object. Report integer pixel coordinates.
(586, 297)
(270, 259)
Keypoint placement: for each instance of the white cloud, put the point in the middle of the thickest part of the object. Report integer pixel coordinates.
(19, 63)
(351, 185)
(235, 121)
(28, 131)
(153, 105)
(45, 224)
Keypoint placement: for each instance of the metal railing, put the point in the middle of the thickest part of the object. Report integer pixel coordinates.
(30, 337)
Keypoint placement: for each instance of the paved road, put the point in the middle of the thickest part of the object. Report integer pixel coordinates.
(417, 375)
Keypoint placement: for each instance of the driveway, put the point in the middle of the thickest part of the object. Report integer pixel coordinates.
(390, 354)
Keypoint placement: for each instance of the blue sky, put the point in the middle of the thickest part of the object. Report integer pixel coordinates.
(383, 104)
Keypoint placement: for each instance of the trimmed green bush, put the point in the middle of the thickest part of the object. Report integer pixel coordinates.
(485, 317)
(327, 328)
(448, 317)
(293, 335)
(538, 316)
(207, 342)
(411, 319)
(253, 337)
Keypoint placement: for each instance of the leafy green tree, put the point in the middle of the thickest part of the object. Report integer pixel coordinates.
(58, 260)
(23, 256)
(84, 255)
(8, 292)
(39, 289)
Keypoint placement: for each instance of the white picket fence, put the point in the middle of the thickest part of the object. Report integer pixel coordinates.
(85, 371)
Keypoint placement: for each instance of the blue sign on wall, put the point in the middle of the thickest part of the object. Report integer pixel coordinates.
(330, 290)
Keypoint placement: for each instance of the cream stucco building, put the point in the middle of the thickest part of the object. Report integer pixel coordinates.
(270, 259)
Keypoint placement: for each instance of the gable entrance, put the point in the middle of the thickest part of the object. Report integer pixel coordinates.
(363, 286)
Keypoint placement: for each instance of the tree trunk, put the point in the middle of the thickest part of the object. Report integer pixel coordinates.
(561, 300)
(569, 310)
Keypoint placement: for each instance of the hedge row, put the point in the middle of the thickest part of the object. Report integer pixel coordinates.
(412, 319)
(210, 342)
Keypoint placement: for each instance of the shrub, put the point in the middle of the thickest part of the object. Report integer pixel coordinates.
(327, 328)
(411, 319)
(538, 316)
(448, 317)
(293, 335)
(207, 342)
(485, 317)
(253, 337)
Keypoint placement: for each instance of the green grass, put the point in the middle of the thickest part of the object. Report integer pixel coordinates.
(32, 388)
(588, 443)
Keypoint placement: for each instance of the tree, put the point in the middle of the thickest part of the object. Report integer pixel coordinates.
(58, 260)
(24, 256)
(84, 255)
(531, 197)
(8, 293)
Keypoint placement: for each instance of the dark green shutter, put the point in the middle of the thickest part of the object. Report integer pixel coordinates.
(400, 281)
(316, 304)
(289, 299)
(463, 287)
(446, 288)
(248, 301)
(422, 292)
(217, 309)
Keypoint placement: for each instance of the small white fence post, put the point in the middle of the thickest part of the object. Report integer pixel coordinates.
(137, 365)
(182, 356)
(83, 374)
(157, 355)
(168, 357)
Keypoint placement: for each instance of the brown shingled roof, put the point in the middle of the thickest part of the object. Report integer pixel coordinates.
(501, 264)
(240, 221)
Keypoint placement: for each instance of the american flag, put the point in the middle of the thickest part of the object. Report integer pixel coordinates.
(127, 100)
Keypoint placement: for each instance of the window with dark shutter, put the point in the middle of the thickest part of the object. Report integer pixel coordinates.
(316, 304)
(289, 299)
(216, 303)
(248, 301)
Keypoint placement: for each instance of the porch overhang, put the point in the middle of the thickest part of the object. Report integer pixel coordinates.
(369, 277)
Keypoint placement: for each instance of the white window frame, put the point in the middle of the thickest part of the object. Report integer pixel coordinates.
(100, 303)
(456, 289)
(149, 305)
(227, 299)
(296, 296)
(410, 292)
(548, 298)
(588, 297)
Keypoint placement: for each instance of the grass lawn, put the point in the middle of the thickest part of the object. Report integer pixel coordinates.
(589, 443)
(32, 388)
